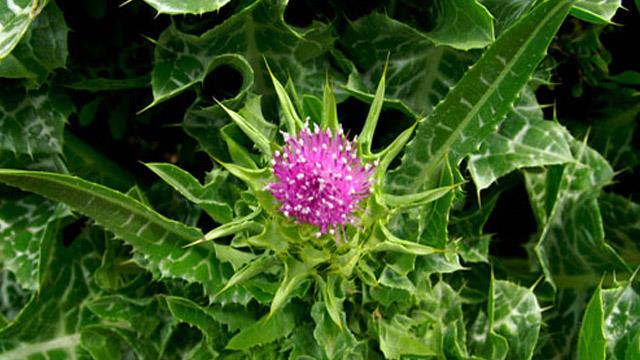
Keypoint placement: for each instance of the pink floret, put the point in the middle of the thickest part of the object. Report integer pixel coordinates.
(320, 179)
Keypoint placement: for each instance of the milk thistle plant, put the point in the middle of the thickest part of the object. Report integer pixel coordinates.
(322, 201)
(375, 182)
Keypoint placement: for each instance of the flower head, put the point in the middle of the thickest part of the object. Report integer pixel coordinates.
(320, 179)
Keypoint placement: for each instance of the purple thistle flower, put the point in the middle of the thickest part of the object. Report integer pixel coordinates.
(319, 179)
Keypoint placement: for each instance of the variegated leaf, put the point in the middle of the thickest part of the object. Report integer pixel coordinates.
(474, 108)
(524, 139)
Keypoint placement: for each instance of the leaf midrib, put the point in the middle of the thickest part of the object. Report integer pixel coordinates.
(24, 350)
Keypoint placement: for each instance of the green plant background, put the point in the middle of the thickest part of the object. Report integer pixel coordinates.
(508, 227)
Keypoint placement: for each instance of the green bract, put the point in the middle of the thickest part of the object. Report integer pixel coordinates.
(483, 226)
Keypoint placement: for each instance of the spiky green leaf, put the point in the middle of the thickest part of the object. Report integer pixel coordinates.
(478, 103)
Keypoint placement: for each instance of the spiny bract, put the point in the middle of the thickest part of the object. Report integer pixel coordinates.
(320, 179)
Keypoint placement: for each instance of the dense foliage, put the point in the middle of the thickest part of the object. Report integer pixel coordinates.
(488, 201)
